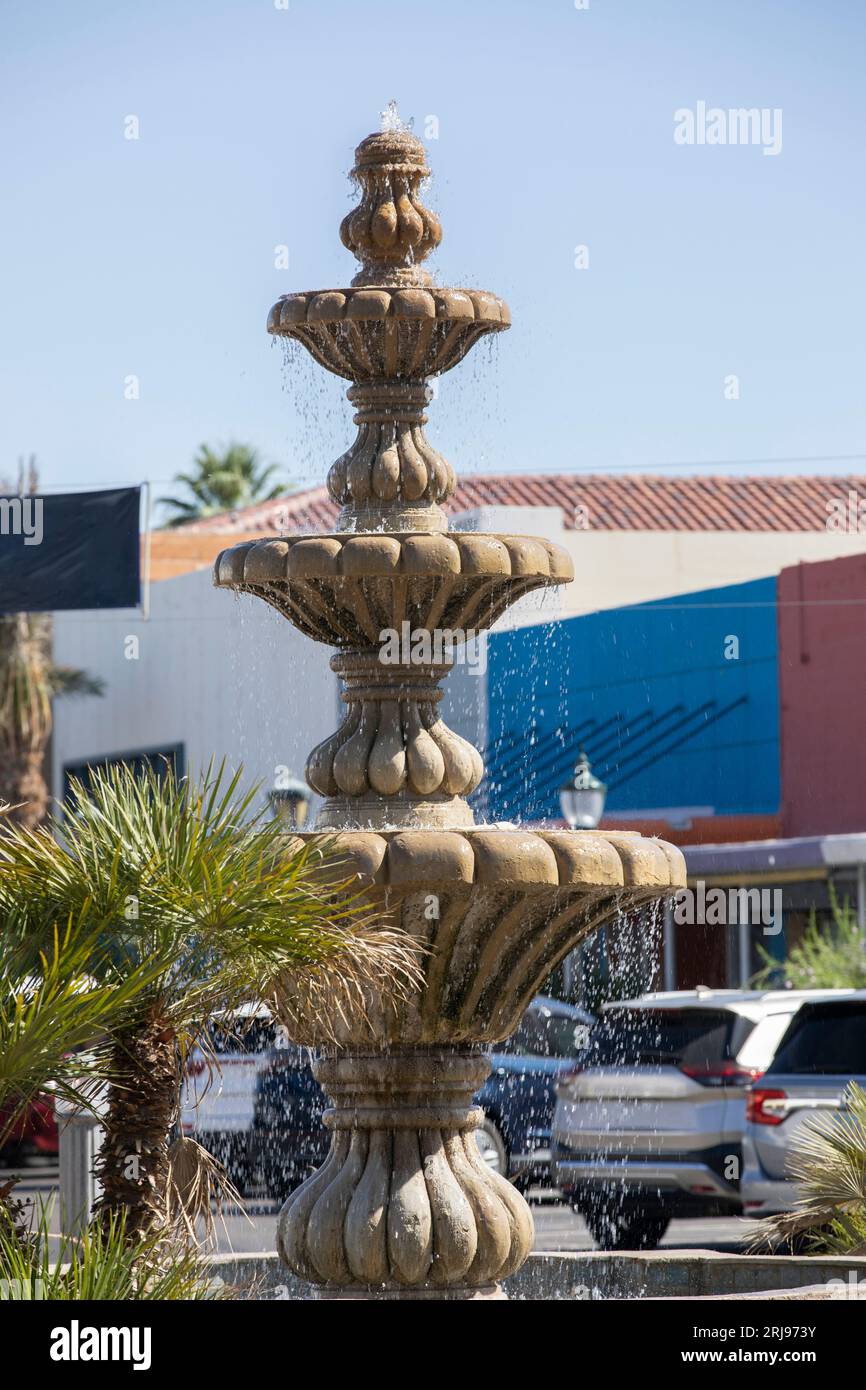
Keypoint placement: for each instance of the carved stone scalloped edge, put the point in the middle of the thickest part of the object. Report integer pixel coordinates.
(409, 860)
(372, 303)
(379, 555)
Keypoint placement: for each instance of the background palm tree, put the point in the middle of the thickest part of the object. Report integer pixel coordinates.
(222, 481)
(29, 681)
(189, 881)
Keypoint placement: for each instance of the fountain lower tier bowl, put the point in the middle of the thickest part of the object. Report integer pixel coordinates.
(493, 911)
(345, 589)
(372, 333)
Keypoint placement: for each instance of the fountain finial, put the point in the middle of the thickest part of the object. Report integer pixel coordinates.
(390, 118)
(391, 231)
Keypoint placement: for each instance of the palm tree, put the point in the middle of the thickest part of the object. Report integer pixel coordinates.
(223, 481)
(229, 911)
(56, 1019)
(56, 1022)
(29, 681)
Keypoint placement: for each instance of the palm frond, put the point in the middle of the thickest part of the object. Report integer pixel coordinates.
(56, 1015)
(100, 1265)
(192, 874)
(68, 680)
(198, 1187)
(222, 480)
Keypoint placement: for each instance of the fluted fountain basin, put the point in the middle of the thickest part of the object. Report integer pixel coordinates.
(345, 589)
(493, 912)
(369, 333)
(404, 1206)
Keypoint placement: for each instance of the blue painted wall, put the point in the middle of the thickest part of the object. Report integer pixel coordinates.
(665, 718)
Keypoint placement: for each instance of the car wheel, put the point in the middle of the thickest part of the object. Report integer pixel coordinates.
(625, 1230)
(492, 1147)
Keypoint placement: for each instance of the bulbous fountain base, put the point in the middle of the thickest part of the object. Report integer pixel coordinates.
(405, 1206)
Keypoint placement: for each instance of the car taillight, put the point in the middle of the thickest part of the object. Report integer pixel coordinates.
(721, 1074)
(763, 1106)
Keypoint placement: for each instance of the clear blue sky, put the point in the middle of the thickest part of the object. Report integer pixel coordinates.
(155, 257)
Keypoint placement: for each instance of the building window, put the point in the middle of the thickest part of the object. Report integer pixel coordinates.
(170, 757)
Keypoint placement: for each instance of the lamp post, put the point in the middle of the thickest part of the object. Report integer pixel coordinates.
(582, 801)
(582, 796)
(290, 801)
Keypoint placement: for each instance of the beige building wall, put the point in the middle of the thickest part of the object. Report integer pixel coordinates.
(613, 568)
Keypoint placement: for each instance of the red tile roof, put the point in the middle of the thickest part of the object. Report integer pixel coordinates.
(640, 502)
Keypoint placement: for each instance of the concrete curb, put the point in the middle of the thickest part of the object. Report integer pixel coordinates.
(589, 1275)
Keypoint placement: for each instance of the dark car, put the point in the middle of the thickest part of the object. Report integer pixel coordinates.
(289, 1141)
(518, 1098)
(32, 1134)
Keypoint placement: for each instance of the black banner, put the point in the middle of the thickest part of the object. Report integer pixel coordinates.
(70, 550)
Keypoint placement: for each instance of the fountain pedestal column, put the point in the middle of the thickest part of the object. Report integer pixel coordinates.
(404, 1206)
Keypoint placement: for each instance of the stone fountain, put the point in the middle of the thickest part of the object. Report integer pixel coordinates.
(404, 1206)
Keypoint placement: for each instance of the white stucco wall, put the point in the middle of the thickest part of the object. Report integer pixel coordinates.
(224, 675)
(229, 677)
(613, 568)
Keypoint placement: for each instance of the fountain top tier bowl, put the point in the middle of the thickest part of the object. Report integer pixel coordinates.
(392, 323)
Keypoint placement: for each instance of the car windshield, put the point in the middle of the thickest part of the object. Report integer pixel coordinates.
(763, 1041)
(825, 1040)
(666, 1037)
(544, 1033)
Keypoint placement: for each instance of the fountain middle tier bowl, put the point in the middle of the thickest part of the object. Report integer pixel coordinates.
(493, 911)
(372, 333)
(346, 589)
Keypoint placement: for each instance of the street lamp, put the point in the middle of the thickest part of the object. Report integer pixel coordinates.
(582, 796)
(290, 801)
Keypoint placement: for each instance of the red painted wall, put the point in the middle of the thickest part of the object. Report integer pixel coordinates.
(822, 688)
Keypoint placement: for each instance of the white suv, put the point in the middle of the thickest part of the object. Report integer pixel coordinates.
(649, 1124)
(822, 1052)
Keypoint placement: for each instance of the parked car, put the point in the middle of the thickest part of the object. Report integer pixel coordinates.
(218, 1094)
(823, 1050)
(33, 1135)
(649, 1124)
(518, 1099)
(288, 1140)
